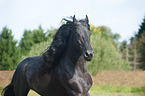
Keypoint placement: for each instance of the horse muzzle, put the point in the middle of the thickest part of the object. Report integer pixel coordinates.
(88, 55)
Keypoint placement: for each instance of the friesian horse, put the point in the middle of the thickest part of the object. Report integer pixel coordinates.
(61, 70)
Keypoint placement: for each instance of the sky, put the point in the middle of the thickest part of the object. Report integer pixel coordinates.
(121, 16)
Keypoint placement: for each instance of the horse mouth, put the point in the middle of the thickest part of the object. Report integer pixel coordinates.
(88, 59)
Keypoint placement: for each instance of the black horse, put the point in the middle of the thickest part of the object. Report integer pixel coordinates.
(61, 70)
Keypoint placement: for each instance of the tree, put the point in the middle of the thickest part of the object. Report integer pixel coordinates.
(32, 37)
(123, 45)
(51, 32)
(26, 42)
(142, 51)
(107, 56)
(9, 52)
(141, 30)
(140, 43)
(105, 33)
(39, 35)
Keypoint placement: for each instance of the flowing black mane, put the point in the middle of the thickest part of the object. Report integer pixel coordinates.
(58, 45)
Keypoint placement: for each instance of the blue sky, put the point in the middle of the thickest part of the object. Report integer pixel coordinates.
(121, 16)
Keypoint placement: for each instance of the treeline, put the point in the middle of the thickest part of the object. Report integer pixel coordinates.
(11, 51)
(33, 37)
(135, 51)
(105, 46)
(34, 42)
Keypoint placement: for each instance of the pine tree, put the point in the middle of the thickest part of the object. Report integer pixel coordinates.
(30, 38)
(39, 35)
(142, 29)
(141, 44)
(9, 52)
(26, 42)
(142, 51)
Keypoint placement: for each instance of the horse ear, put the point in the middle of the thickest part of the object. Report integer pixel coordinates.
(87, 20)
(74, 20)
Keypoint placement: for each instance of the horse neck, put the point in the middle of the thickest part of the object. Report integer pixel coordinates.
(74, 58)
(72, 53)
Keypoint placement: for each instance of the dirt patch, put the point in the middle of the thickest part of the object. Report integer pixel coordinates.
(5, 78)
(115, 78)
(120, 78)
(111, 78)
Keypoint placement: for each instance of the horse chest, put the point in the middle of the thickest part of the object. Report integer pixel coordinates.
(77, 84)
(80, 84)
(75, 79)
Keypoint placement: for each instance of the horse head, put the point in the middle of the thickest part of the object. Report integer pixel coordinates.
(81, 38)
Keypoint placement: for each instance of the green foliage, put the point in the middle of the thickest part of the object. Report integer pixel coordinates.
(33, 37)
(105, 33)
(140, 42)
(142, 51)
(52, 32)
(106, 55)
(26, 42)
(39, 35)
(141, 30)
(123, 45)
(9, 52)
(38, 49)
(118, 89)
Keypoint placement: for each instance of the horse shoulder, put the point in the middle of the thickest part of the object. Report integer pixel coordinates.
(36, 75)
(32, 69)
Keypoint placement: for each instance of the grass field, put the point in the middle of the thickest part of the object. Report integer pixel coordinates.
(99, 93)
(117, 91)
(106, 83)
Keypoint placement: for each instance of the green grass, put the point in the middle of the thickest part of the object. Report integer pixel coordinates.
(31, 93)
(118, 89)
(108, 91)
(0, 90)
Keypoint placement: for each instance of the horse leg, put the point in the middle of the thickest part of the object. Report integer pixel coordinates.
(21, 89)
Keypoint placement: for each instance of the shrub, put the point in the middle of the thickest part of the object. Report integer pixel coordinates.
(106, 56)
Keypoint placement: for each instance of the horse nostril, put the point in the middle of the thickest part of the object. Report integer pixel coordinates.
(86, 54)
(91, 55)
